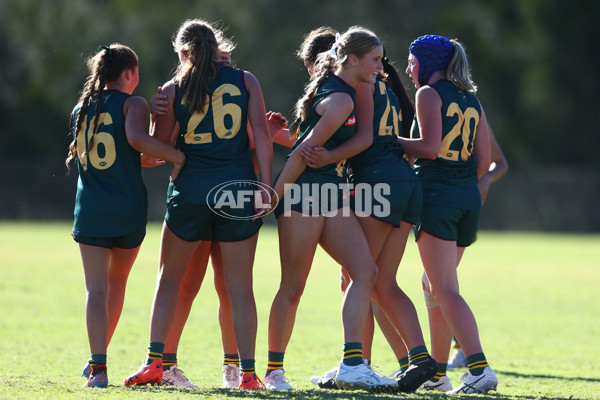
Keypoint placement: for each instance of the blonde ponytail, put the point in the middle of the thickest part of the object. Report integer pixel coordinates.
(457, 71)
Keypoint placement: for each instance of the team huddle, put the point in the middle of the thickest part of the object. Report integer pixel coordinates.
(365, 168)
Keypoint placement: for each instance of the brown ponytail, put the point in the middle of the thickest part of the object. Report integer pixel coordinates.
(106, 66)
(199, 40)
(408, 110)
(356, 40)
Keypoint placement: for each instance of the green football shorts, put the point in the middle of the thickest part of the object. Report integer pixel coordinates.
(193, 222)
(128, 241)
(391, 202)
(449, 223)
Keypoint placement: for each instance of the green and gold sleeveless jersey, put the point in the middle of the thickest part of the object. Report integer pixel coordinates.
(383, 161)
(111, 198)
(451, 179)
(215, 141)
(335, 172)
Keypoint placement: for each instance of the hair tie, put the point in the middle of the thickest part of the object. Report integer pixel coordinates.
(333, 52)
(108, 52)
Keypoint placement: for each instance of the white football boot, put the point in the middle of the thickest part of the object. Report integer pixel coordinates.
(327, 380)
(477, 384)
(231, 376)
(175, 377)
(443, 385)
(276, 380)
(362, 377)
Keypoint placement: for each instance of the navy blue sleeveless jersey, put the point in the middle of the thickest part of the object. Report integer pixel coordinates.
(214, 140)
(384, 160)
(451, 178)
(111, 198)
(334, 172)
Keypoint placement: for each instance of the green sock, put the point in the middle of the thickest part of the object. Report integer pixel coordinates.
(247, 366)
(155, 351)
(97, 359)
(275, 361)
(477, 363)
(417, 354)
(169, 359)
(403, 364)
(231, 359)
(441, 372)
(353, 353)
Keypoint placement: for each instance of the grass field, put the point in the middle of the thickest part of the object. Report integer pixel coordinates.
(535, 297)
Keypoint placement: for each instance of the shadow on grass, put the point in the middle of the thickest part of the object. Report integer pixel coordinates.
(521, 397)
(311, 394)
(319, 394)
(540, 376)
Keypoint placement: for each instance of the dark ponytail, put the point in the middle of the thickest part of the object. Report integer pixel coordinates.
(105, 66)
(408, 110)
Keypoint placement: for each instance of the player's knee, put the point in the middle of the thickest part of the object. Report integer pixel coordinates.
(222, 293)
(169, 282)
(293, 293)
(369, 276)
(188, 292)
(384, 290)
(445, 295)
(364, 273)
(97, 292)
(190, 287)
(118, 282)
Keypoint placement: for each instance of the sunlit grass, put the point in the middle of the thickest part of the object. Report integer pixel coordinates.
(534, 296)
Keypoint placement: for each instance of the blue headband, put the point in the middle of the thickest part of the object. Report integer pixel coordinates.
(433, 52)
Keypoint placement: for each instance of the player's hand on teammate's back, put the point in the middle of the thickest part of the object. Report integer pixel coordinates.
(159, 103)
(263, 203)
(177, 167)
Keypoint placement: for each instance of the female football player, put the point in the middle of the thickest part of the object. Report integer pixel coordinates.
(451, 142)
(217, 149)
(109, 132)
